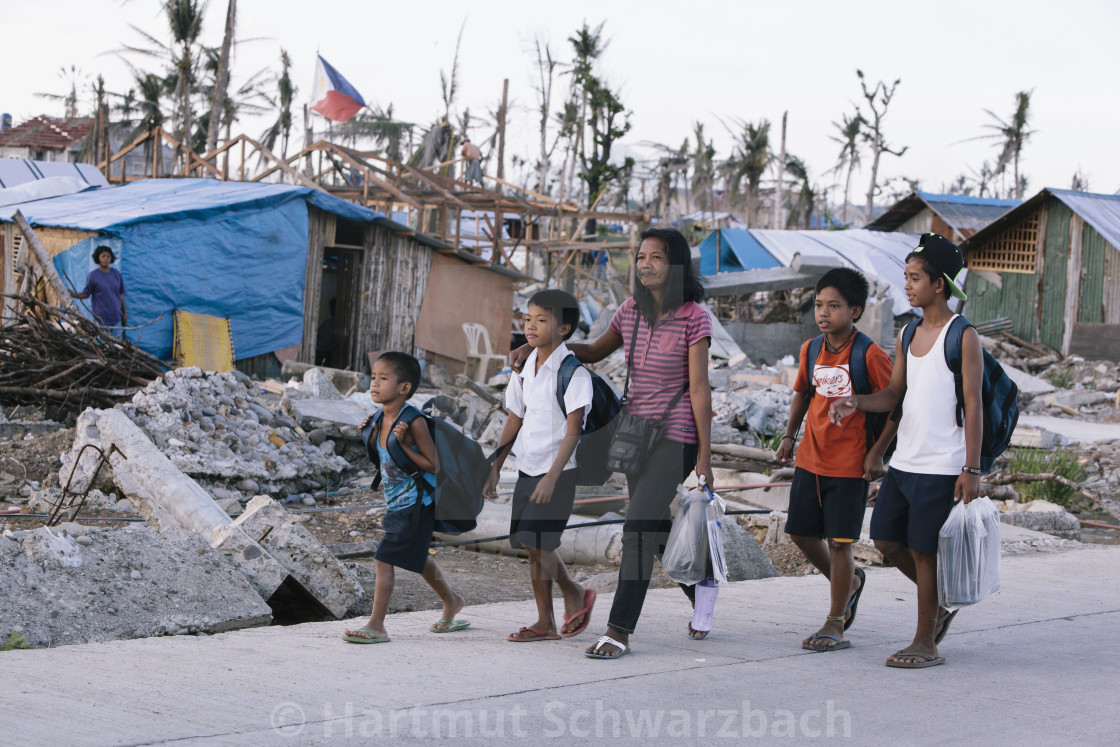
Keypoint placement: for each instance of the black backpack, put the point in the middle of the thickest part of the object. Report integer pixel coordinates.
(598, 428)
(998, 392)
(873, 422)
(463, 469)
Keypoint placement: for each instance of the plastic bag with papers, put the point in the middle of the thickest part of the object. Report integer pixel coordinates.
(695, 547)
(968, 554)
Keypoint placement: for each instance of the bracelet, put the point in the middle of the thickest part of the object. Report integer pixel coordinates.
(972, 470)
(785, 437)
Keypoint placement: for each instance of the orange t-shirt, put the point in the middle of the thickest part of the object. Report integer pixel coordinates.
(826, 449)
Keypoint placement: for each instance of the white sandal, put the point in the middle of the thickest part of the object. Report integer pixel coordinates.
(604, 641)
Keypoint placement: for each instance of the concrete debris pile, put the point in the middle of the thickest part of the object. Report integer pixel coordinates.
(77, 584)
(219, 430)
(1075, 388)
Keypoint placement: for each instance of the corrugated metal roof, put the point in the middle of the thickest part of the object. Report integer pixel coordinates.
(878, 255)
(1102, 212)
(17, 171)
(961, 212)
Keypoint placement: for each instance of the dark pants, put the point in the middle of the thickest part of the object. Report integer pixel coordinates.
(646, 529)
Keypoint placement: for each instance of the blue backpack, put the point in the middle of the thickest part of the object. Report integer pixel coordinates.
(873, 422)
(463, 469)
(999, 394)
(598, 427)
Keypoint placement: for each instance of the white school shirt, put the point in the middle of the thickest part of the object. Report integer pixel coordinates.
(929, 440)
(531, 396)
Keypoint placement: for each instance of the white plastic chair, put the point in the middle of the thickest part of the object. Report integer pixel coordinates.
(474, 332)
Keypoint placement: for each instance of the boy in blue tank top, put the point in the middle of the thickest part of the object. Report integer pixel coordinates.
(936, 462)
(393, 380)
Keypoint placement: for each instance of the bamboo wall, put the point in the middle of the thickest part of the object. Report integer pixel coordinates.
(394, 280)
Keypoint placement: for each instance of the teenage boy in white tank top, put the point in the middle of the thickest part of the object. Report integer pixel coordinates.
(936, 461)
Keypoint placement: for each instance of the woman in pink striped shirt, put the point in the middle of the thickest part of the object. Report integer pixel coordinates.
(670, 332)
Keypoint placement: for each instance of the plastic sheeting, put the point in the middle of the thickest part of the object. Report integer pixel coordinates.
(226, 249)
(738, 250)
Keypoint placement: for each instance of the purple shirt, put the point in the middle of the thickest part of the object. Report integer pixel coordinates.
(105, 290)
(661, 363)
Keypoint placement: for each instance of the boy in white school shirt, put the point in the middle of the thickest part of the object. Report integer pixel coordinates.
(545, 447)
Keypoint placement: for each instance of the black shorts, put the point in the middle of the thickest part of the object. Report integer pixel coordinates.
(401, 546)
(540, 525)
(911, 508)
(830, 507)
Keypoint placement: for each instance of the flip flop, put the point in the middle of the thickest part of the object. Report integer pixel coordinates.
(361, 636)
(588, 604)
(925, 660)
(944, 622)
(853, 603)
(606, 640)
(697, 635)
(452, 626)
(537, 636)
(821, 647)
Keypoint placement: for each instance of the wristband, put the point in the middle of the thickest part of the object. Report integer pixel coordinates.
(972, 470)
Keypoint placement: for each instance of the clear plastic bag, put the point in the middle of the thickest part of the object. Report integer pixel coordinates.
(968, 554)
(685, 559)
(714, 512)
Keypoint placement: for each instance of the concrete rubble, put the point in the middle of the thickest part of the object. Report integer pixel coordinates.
(77, 584)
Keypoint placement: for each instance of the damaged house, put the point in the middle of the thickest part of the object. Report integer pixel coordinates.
(1052, 265)
(300, 274)
(954, 216)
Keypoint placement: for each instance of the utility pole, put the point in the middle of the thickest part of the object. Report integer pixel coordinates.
(502, 131)
(781, 175)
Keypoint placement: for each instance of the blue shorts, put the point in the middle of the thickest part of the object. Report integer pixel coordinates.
(830, 507)
(911, 508)
(402, 546)
(540, 525)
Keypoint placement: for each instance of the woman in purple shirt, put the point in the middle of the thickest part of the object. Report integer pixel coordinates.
(106, 286)
(673, 333)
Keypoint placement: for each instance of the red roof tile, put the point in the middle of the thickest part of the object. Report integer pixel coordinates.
(47, 133)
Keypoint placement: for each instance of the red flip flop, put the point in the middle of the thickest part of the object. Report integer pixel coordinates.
(588, 605)
(537, 636)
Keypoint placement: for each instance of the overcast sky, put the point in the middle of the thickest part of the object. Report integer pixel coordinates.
(674, 63)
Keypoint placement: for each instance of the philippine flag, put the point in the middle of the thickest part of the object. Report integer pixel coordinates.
(333, 95)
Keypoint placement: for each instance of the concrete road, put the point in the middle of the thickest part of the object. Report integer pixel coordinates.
(1036, 663)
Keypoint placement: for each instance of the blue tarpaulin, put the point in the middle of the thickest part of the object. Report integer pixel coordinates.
(227, 249)
(739, 250)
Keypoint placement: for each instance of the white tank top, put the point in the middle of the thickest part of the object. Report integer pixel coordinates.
(929, 440)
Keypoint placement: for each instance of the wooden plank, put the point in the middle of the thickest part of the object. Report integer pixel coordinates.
(1095, 342)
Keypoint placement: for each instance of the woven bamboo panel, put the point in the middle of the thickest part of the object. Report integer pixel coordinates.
(1015, 249)
(204, 341)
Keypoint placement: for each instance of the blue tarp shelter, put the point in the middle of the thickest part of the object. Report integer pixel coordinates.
(227, 249)
(878, 255)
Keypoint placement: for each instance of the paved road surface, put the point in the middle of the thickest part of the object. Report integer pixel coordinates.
(1037, 663)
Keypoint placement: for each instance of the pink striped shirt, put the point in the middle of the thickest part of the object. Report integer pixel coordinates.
(661, 363)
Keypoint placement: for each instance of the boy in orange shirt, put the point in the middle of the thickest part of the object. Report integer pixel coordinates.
(834, 463)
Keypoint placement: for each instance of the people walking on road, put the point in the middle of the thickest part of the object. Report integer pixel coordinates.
(410, 518)
(828, 497)
(546, 439)
(937, 461)
(666, 334)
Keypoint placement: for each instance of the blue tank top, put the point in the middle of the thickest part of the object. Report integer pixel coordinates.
(397, 485)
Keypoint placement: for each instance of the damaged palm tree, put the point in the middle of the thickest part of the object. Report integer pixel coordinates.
(53, 355)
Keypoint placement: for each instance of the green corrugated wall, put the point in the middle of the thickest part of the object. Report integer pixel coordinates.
(1055, 266)
(1017, 299)
(1092, 276)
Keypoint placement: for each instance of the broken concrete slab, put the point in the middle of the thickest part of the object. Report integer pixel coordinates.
(1028, 384)
(308, 561)
(78, 584)
(1040, 516)
(10, 429)
(309, 412)
(342, 381)
(1072, 429)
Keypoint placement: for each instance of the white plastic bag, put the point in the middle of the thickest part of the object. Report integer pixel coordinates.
(714, 511)
(685, 559)
(968, 554)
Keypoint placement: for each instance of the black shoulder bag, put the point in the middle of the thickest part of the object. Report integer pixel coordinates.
(634, 437)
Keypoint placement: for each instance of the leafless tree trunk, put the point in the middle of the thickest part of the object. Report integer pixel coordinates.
(221, 80)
